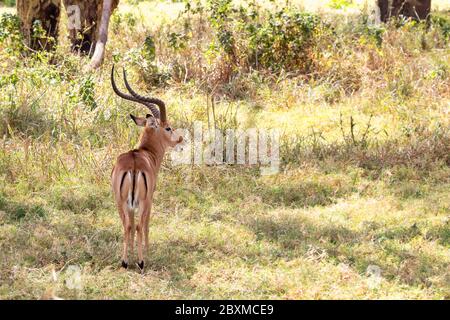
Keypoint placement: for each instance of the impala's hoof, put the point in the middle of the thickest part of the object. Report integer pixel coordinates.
(124, 265)
(141, 265)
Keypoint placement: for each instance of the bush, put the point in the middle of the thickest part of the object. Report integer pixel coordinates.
(9, 3)
(284, 41)
(442, 23)
(10, 34)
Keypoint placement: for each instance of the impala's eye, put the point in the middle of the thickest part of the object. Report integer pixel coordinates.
(168, 129)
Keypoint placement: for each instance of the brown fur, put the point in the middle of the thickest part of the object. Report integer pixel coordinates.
(146, 160)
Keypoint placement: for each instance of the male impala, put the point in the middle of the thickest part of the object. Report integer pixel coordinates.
(134, 175)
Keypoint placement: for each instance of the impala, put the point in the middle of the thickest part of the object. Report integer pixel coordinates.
(134, 176)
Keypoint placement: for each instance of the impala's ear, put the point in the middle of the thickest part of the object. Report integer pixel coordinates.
(141, 122)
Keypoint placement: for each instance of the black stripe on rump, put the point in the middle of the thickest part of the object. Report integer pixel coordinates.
(121, 181)
(145, 181)
(134, 186)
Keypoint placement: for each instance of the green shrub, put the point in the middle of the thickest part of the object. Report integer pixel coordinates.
(284, 41)
(340, 4)
(9, 3)
(249, 37)
(442, 22)
(10, 35)
(87, 88)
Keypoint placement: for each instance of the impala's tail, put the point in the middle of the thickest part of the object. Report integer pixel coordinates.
(136, 179)
(132, 202)
(133, 185)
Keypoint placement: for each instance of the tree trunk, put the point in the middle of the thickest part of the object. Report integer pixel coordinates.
(102, 34)
(415, 9)
(45, 12)
(88, 24)
(84, 36)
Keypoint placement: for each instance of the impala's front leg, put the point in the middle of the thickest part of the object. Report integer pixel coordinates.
(146, 229)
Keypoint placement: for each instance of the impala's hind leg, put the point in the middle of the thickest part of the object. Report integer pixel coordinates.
(126, 235)
(146, 228)
(132, 233)
(122, 214)
(143, 213)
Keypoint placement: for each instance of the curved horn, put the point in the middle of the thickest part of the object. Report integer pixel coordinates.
(125, 96)
(151, 100)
